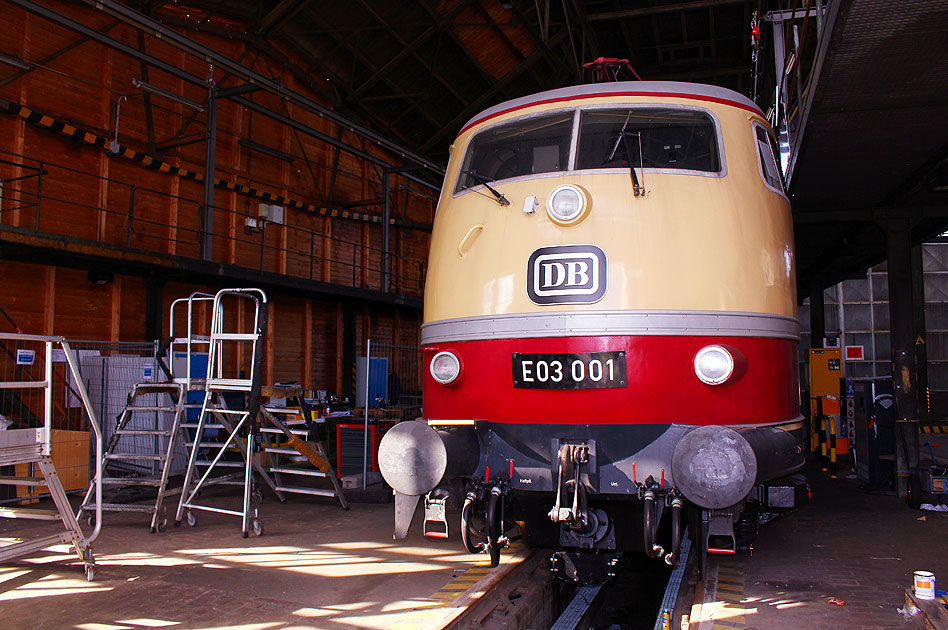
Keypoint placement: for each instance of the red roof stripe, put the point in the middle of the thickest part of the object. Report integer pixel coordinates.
(696, 97)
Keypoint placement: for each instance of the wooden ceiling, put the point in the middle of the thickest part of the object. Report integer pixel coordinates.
(416, 70)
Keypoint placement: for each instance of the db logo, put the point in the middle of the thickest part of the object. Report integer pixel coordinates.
(566, 274)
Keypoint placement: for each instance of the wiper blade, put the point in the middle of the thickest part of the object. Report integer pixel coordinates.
(623, 139)
(486, 181)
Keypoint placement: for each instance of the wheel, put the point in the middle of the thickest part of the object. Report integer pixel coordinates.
(257, 527)
(163, 525)
(494, 526)
(191, 519)
(256, 496)
(90, 573)
(90, 520)
(913, 490)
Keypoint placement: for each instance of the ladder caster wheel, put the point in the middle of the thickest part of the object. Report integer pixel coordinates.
(90, 573)
(256, 497)
(192, 521)
(163, 525)
(90, 521)
(177, 523)
(257, 527)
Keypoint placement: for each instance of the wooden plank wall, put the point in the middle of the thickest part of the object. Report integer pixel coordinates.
(88, 195)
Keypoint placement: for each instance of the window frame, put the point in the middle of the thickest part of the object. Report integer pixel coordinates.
(571, 153)
(715, 122)
(771, 145)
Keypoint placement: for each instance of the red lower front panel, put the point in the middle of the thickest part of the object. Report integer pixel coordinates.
(661, 386)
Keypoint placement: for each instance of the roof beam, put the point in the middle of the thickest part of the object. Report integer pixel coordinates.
(357, 55)
(411, 47)
(276, 87)
(279, 15)
(817, 217)
(664, 8)
(488, 95)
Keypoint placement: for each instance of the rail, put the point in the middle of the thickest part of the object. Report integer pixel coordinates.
(16, 377)
(54, 199)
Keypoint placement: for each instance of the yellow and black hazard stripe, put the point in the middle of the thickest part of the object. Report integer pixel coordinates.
(43, 120)
(933, 428)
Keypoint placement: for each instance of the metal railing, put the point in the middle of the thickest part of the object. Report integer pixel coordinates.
(43, 391)
(59, 200)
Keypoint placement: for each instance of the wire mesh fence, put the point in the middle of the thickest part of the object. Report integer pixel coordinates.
(388, 391)
(391, 375)
(110, 370)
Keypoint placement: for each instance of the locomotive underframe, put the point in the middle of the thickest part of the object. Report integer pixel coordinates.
(597, 491)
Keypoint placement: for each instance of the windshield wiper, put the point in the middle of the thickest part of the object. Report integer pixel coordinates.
(622, 138)
(486, 181)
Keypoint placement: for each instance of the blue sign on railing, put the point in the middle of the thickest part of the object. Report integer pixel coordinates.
(25, 357)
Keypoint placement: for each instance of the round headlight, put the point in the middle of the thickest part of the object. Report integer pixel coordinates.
(567, 204)
(445, 368)
(714, 365)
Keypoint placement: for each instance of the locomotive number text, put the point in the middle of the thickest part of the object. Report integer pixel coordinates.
(579, 370)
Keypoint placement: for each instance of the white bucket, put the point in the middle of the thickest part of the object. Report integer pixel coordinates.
(924, 585)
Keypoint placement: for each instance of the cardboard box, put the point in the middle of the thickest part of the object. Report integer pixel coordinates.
(70, 450)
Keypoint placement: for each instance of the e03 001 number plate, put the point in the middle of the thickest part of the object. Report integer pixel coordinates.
(574, 370)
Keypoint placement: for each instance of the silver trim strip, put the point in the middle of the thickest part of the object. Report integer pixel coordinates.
(586, 323)
(450, 423)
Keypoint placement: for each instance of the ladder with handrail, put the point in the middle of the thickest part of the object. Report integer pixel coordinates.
(32, 446)
(156, 414)
(225, 430)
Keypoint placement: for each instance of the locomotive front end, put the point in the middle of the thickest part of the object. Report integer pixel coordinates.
(610, 332)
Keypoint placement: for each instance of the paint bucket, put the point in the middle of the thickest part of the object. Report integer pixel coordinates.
(924, 585)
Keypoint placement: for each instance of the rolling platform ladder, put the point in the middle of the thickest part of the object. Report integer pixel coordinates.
(28, 399)
(226, 429)
(151, 423)
(303, 454)
(140, 451)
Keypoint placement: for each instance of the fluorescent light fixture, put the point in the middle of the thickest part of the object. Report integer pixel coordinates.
(260, 148)
(168, 94)
(16, 62)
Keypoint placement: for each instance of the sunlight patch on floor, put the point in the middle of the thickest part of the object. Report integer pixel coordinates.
(54, 585)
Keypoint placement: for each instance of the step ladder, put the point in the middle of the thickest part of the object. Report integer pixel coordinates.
(32, 446)
(225, 439)
(140, 452)
(303, 455)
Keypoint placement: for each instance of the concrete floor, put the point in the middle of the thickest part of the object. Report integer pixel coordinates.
(316, 566)
(857, 545)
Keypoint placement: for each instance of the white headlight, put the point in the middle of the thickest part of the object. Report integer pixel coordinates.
(567, 204)
(714, 365)
(445, 368)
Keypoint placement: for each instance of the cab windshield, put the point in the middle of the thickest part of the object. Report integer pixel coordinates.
(528, 146)
(639, 137)
(647, 138)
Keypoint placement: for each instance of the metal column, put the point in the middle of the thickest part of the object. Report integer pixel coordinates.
(387, 220)
(901, 318)
(210, 157)
(921, 348)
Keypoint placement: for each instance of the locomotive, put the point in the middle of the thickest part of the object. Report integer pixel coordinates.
(610, 337)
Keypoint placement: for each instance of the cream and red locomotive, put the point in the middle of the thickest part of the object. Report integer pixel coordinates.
(610, 333)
